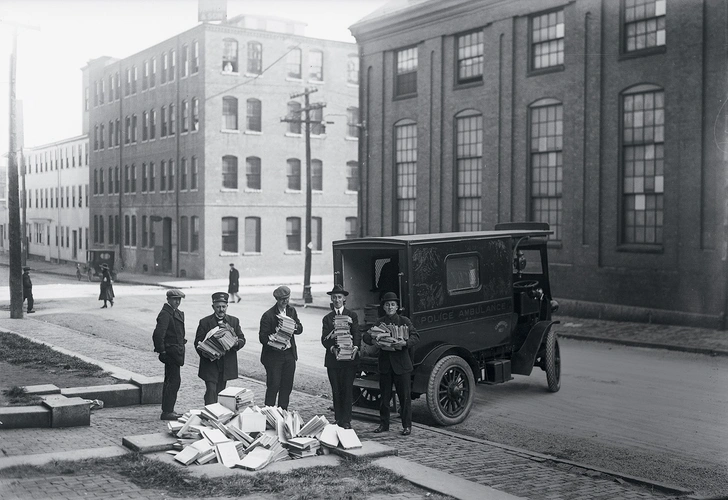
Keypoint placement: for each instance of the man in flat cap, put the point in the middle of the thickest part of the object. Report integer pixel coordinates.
(169, 342)
(28, 289)
(279, 357)
(341, 371)
(217, 372)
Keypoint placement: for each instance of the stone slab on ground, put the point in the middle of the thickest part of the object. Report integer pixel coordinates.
(44, 458)
(150, 387)
(42, 389)
(22, 417)
(68, 412)
(112, 394)
(369, 449)
(149, 443)
(441, 482)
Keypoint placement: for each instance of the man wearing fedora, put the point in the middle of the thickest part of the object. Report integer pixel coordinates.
(234, 283)
(217, 372)
(395, 366)
(169, 342)
(28, 289)
(341, 372)
(280, 364)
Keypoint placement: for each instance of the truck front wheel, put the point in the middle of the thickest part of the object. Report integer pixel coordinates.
(553, 362)
(450, 390)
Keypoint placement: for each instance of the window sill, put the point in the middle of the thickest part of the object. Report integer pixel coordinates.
(293, 191)
(253, 75)
(229, 190)
(228, 254)
(291, 79)
(229, 73)
(321, 136)
(352, 85)
(545, 71)
(291, 134)
(252, 254)
(651, 51)
(317, 252)
(640, 248)
(468, 85)
(403, 97)
(252, 132)
(348, 191)
(251, 190)
(229, 131)
(317, 82)
(317, 191)
(292, 252)
(350, 138)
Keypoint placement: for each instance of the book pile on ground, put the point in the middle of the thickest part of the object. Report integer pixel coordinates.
(344, 341)
(334, 436)
(235, 398)
(217, 342)
(388, 337)
(301, 447)
(282, 336)
(217, 413)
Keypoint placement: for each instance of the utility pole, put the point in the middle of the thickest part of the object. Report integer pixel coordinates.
(307, 108)
(14, 232)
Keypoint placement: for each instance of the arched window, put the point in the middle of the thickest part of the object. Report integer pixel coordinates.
(405, 138)
(230, 234)
(352, 176)
(253, 115)
(252, 172)
(229, 113)
(252, 235)
(293, 234)
(294, 113)
(230, 172)
(255, 58)
(293, 173)
(293, 63)
(230, 55)
(317, 175)
(546, 146)
(316, 65)
(352, 69)
(469, 166)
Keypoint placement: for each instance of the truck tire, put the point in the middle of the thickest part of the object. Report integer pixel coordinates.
(553, 362)
(450, 390)
(367, 398)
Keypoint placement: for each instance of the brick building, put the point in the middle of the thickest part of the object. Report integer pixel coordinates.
(604, 118)
(192, 168)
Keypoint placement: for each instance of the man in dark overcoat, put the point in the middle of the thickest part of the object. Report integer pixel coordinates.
(169, 342)
(395, 366)
(217, 372)
(341, 372)
(233, 283)
(28, 289)
(280, 365)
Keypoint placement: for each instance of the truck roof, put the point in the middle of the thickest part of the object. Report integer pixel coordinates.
(439, 237)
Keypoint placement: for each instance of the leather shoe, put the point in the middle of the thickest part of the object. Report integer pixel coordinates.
(345, 426)
(381, 428)
(169, 416)
(406, 431)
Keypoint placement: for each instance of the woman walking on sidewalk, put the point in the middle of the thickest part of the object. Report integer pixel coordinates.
(107, 289)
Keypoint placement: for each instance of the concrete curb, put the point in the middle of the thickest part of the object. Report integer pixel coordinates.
(44, 458)
(652, 345)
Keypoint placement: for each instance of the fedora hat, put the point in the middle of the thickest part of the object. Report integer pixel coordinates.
(338, 289)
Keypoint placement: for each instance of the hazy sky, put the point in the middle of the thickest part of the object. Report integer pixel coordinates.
(74, 31)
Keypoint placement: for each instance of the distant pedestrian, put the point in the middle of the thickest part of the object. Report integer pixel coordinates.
(234, 283)
(280, 364)
(217, 372)
(107, 287)
(169, 342)
(78, 271)
(28, 289)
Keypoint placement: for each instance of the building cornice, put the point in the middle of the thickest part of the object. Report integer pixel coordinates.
(78, 138)
(236, 30)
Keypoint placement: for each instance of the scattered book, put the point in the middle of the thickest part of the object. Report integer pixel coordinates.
(235, 398)
(348, 438)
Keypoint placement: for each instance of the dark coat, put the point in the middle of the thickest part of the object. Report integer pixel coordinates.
(107, 289)
(169, 335)
(27, 284)
(398, 362)
(234, 281)
(229, 362)
(268, 325)
(327, 327)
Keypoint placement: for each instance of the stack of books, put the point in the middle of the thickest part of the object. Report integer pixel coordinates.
(314, 427)
(217, 413)
(235, 398)
(301, 447)
(217, 342)
(344, 341)
(388, 337)
(282, 336)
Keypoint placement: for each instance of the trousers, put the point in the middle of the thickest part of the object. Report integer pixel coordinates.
(342, 387)
(172, 381)
(279, 371)
(212, 389)
(403, 386)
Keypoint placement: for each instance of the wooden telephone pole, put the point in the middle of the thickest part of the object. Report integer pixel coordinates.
(307, 108)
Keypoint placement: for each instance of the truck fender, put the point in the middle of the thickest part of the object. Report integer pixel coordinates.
(522, 360)
(423, 370)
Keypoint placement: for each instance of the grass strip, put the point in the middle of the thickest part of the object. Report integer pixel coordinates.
(18, 396)
(17, 350)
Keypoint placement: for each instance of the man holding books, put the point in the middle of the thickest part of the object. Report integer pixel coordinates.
(221, 339)
(395, 335)
(278, 327)
(169, 342)
(341, 338)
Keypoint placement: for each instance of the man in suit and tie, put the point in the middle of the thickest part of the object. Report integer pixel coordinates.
(341, 372)
(217, 372)
(395, 365)
(280, 364)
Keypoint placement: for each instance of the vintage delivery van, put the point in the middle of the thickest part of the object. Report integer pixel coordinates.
(480, 301)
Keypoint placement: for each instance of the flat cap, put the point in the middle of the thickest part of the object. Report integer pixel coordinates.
(220, 297)
(281, 292)
(174, 293)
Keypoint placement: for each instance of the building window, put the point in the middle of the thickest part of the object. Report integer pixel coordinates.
(352, 122)
(185, 62)
(152, 124)
(101, 139)
(171, 186)
(644, 24)
(96, 182)
(406, 176)
(230, 234)
(294, 113)
(183, 174)
(350, 230)
(145, 178)
(469, 158)
(230, 172)
(547, 124)
(134, 128)
(316, 66)
(127, 179)
(172, 64)
(293, 234)
(111, 229)
(194, 234)
(253, 115)
(145, 239)
(229, 113)
(151, 176)
(117, 90)
(127, 231)
(101, 181)
(172, 120)
(165, 69)
(252, 235)
(643, 165)
(470, 57)
(117, 133)
(101, 229)
(193, 174)
(111, 88)
(230, 56)
(145, 76)
(184, 244)
(133, 231)
(255, 58)
(163, 114)
(195, 114)
(316, 115)
(96, 137)
(85, 99)
(352, 176)
(127, 86)
(111, 141)
(293, 63)
(133, 178)
(134, 78)
(352, 69)
(195, 57)
(293, 172)
(405, 82)
(145, 126)
(252, 172)
(101, 92)
(162, 176)
(316, 238)
(547, 40)
(317, 175)
(185, 116)
(152, 237)
(117, 179)
(153, 74)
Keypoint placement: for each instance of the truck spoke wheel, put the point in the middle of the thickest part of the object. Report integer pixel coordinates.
(553, 362)
(450, 390)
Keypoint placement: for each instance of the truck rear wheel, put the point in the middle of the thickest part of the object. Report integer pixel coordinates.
(450, 390)
(367, 398)
(553, 362)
